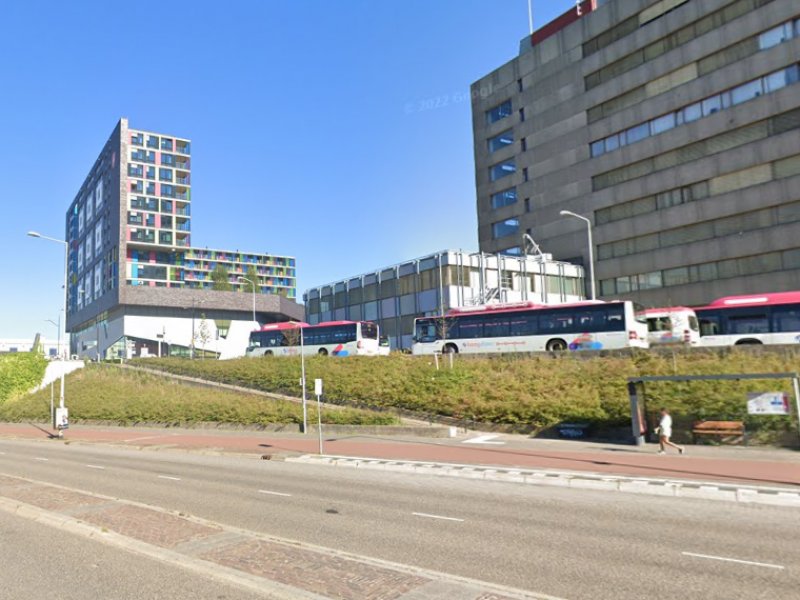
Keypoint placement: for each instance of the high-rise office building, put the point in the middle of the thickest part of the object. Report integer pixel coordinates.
(673, 125)
(133, 273)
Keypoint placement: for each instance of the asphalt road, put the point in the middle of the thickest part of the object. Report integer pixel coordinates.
(40, 562)
(567, 543)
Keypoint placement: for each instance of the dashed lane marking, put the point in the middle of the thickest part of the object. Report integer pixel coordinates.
(274, 493)
(95, 467)
(168, 477)
(429, 516)
(41, 459)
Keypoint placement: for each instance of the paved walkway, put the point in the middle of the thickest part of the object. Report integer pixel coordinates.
(279, 568)
(755, 466)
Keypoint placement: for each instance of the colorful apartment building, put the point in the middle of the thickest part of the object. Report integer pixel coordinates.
(130, 236)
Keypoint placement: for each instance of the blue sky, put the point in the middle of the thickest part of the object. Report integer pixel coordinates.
(312, 124)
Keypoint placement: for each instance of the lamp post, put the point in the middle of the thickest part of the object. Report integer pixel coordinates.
(58, 329)
(568, 213)
(303, 378)
(253, 284)
(66, 253)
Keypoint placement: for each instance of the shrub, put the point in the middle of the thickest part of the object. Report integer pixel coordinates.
(20, 373)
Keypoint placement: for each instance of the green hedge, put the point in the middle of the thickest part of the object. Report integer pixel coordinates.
(20, 372)
(109, 393)
(533, 390)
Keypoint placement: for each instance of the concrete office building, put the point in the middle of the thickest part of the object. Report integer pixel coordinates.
(394, 296)
(674, 125)
(136, 286)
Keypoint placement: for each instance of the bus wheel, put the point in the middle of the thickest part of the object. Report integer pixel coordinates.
(268, 353)
(450, 349)
(323, 352)
(556, 346)
(748, 343)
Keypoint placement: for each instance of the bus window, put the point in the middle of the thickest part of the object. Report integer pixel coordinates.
(757, 323)
(426, 331)
(470, 327)
(710, 325)
(693, 324)
(786, 319)
(659, 324)
(369, 331)
(496, 327)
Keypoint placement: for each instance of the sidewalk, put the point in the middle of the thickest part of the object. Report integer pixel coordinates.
(276, 567)
(753, 466)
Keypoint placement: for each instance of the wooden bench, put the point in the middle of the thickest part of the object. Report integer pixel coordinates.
(731, 432)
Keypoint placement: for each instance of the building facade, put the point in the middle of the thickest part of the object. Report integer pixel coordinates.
(673, 125)
(131, 263)
(394, 296)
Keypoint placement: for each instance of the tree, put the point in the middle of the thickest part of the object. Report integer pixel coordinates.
(219, 278)
(252, 276)
(203, 333)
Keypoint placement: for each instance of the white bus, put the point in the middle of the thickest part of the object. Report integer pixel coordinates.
(675, 325)
(530, 327)
(335, 338)
(755, 319)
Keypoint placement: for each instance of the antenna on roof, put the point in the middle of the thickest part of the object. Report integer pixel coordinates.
(527, 241)
(530, 17)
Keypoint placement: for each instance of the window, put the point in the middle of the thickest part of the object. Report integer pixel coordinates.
(150, 189)
(514, 251)
(637, 133)
(525, 174)
(98, 235)
(165, 174)
(786, 319)
(597, 148)
(746, 92)
(501, 111)
(501, 170)
(80, 257)
(150, 173)
(98, 279)
(711, 105)
(527, 205)
(501, 141)
(88, 249)
(505, 228)
(504, 198)
(692, 112)
(748, 323)
(775, 81)
(662, 124)
(168, 159)
(521, 114)
(775, 36)
(137, 139)
(152, 141)
(166, 144)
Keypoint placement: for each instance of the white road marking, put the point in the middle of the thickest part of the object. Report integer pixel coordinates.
(274, 493)
(147, 437)
(416, 514)
(484, 439)
(3, 453)
(95, 467)
(734, 560)
(42, 459)
(168, 477)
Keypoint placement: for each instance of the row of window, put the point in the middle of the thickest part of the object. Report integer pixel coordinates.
(736, 180)
(776, 125)
(736, 224)
(762, 319)
(678, 38)
(135, 170)
(90, 245)
(137, 139)
(167, 160)
(703, 108)
(167, 190)
(87, 208)
(711, 271)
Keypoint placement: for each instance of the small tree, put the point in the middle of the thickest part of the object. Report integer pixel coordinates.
(253, 277)
(219, 279)
(203, 333)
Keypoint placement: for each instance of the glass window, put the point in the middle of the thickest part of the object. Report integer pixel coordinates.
(712, 105)
(637, 133)
(166, 144)
(678, 276)
(152, 141)
(752, 323)
(505, 228)
(513, 251)
(746, 92)
(496, 326)
(165, 174)
(501, 141)
(692, 112)
(470, 327)
(775, 36)
(501, 111)
(662, 124)
(710, 323)
(597, 148)
(786, 318)
(775, 81)
(612, 143)
(504, 198)
(501, 170)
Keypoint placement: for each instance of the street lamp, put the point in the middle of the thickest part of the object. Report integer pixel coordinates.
(36, 234)
(252, 283)
(303, 377)
(58, 329)
(568, 213)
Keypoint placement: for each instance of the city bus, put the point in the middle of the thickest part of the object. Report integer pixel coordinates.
(671, 326)
(530, 327)
(334, 338)
(754, 319)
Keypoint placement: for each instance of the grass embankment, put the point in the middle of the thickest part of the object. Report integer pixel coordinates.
(108, 393)
(20, 372)
(536, 391)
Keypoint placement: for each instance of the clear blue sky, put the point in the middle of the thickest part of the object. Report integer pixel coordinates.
(310, 131)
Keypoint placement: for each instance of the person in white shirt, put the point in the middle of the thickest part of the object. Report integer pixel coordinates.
(665, 432)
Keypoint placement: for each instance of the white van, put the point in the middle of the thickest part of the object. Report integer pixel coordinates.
(672, 325)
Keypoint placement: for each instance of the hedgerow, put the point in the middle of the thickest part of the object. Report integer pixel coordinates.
(20, 372)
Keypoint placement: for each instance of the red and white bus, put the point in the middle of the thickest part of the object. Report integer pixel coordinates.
(675, 325)
(530, 327)
(755, 319)
(335, 338)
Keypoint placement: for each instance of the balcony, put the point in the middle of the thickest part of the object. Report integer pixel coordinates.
(182, 178)
(182, 147)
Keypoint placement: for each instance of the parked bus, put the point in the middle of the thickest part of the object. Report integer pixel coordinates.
(337, 338)
(756, 319)
(673, 325)
(530, 327)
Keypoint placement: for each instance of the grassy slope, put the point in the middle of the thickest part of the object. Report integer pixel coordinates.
(19, 373)
(111, 394)
(537, 390)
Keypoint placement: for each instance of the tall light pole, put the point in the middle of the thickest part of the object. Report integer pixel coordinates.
(66, 255)
(58, 329)
(303, 378)
(569, 213)
(253, 284)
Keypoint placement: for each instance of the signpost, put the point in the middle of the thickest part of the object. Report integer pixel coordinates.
(318, 393)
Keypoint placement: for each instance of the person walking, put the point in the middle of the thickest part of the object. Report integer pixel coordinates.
(665, 432)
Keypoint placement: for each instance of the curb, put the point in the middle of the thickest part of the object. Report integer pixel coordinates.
(705, 490)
